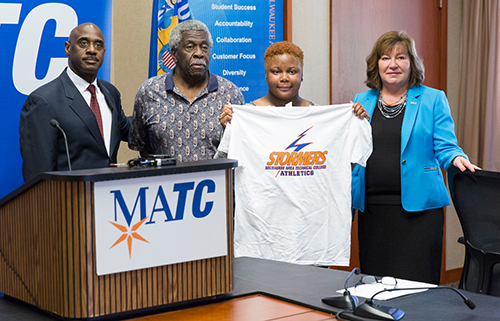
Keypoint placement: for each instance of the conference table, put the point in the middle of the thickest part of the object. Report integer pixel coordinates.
(271, 290)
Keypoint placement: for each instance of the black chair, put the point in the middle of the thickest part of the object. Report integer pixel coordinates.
(476, 197)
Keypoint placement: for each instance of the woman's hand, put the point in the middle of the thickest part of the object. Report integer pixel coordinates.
(360, 111)
(226, 115)
(462, 163)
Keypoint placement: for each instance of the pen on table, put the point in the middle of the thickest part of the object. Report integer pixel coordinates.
(117, 164)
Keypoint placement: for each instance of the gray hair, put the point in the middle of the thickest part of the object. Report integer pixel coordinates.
(176, 33)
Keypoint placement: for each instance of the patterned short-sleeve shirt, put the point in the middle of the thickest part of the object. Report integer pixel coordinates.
(165, 122)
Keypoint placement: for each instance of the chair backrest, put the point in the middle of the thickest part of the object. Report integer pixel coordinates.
(476, 197)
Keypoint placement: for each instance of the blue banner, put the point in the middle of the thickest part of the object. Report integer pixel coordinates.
(33, 33)
(241, 30)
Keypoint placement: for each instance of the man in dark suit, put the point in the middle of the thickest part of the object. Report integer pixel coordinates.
(91, 116)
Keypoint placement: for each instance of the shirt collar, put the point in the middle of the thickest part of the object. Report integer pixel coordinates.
(80, 83)
(212, 85)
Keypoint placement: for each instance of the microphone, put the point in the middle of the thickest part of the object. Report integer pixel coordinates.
(345, 301)
(380, 312)
(55, 123)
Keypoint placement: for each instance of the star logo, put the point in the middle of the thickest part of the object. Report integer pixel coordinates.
(129, 235)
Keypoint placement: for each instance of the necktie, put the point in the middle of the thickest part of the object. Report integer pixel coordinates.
(94, 105)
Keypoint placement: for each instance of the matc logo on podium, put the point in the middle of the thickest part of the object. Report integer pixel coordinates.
(160, 220)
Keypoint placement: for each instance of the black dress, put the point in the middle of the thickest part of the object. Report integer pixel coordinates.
(392, 241)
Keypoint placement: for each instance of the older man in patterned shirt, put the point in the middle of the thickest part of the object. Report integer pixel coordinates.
(176, 113)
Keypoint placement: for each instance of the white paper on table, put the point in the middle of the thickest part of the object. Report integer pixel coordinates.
(368, 290)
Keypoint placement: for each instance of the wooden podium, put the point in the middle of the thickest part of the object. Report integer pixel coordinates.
(47, 245)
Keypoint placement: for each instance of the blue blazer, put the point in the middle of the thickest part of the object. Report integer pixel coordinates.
(428, 143)
(42, 146)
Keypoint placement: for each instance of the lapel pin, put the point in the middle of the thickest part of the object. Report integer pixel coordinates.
(413, 103)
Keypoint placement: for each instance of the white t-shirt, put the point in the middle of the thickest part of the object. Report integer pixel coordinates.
(293, 181)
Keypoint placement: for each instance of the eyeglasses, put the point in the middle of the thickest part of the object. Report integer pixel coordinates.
(370, 279)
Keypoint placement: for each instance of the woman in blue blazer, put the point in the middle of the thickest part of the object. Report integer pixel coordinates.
(400, 194)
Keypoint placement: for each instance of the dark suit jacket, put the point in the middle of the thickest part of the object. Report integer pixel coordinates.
(42, 146)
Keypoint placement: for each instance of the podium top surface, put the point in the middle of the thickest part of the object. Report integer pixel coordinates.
(112, 173)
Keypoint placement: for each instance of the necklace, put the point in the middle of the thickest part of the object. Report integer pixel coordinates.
(392, 110)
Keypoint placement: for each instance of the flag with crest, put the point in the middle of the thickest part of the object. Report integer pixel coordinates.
(166, 15)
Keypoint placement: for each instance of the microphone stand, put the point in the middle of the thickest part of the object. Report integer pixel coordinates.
(55, 123)
(345, 301)
(381, 312)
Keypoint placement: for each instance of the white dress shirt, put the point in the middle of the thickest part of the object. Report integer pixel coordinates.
(106, 113)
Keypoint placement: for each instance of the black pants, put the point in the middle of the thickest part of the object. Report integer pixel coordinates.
(394, 242)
